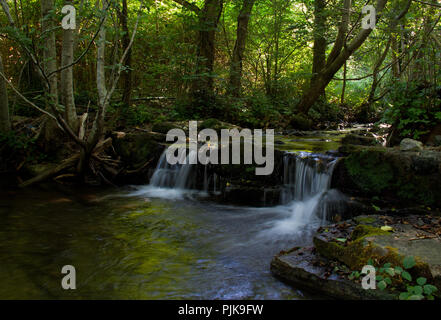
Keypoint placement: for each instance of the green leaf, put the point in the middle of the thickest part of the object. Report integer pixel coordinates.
(421, 281)
(390, 271)
(379, 278)
(382, 285)
(416, 297)
(341, 239)
(418, 290)
(404, 296)
(429, 289)
(398, 270)
(409, 262)
(406, 275)
(388, 280)
(387, 228)
(387, 265)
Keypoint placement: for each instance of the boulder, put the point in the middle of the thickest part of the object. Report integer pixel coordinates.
(164, 127)
(410, 145)
(359, 140)
(342, 249)
(303, 268)
(137, 150)
(365, 240)
(300, 122)
(407, 177)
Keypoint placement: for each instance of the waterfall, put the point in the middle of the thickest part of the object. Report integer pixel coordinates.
(305, 175)
(176, 176)
(305, 196)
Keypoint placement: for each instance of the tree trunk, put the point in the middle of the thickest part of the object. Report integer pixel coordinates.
(319, 50)
(66, 83)
(127, 74)
(239, 48)
(343, 89)
(98, 124)
(377, 67)
(49, 136)
(202, 88)
(336, 59)
(49, 49)
(395, 61)
(5, 123)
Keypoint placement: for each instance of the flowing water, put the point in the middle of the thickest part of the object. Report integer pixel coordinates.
(161, 241)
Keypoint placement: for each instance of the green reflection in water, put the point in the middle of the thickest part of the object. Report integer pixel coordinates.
(121, 248)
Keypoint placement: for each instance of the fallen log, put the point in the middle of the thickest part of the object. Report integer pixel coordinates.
(66, 164)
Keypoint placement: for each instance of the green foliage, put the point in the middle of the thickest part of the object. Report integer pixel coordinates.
(399, 280)
(323, 111)
(413, 109)
(409, 262)
(17, 148)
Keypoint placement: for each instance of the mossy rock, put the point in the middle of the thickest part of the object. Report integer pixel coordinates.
(163, 127)
(387, 172)
(136, 148)
(359, 140)
(216, 125)
(369, 171)
(300, 122)
(370, 243)
(356, 253)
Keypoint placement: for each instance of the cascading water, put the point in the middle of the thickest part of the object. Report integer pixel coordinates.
(177, 176)
(305, 196)
(305, 175)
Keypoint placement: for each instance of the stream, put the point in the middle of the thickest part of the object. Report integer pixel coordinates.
(160, 241)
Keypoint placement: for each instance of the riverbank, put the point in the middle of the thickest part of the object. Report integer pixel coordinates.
(333, 266)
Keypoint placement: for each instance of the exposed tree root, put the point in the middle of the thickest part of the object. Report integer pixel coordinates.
(67, 164)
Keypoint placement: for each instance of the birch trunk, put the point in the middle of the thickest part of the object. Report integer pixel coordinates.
(49, 50)
(66, 83)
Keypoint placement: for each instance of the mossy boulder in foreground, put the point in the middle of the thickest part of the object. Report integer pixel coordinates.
(357, 242)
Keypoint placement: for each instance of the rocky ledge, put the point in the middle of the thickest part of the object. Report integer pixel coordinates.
(406, 252)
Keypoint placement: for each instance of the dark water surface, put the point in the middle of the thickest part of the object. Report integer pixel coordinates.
(131, 245)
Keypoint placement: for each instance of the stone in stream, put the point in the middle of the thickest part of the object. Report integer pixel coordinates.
(368, 241)
(303, 268)
(410, 145)
(407, 177)
(359, 140)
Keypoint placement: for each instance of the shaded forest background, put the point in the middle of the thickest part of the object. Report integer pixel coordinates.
(283, 64)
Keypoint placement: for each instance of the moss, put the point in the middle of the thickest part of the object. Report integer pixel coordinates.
(365, 220)
(363, 230)
(416, 189)
(163, 127)
(357, 252)
(369, 171)
(300, 122)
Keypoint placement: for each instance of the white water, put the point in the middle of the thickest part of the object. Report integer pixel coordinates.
(305, 197)
(178, 176)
